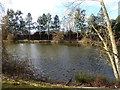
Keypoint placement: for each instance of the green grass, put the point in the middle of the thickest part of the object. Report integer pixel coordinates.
(19, 83)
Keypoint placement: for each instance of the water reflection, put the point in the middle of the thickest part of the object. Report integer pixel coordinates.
(62, 62)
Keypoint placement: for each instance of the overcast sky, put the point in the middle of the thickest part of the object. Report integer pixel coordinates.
(38, 7)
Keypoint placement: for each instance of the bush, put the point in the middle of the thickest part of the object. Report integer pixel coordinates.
(83, 78)
(86, 41)
(101, 81)
(117, 83)
(10, 37)
(19, 68)
(93, 80)
(12, 65)
(58, 36)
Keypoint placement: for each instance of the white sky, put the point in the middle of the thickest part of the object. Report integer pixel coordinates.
(38, 7)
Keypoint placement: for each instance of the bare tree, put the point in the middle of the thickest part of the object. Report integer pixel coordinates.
(112, 38)
(113, 52)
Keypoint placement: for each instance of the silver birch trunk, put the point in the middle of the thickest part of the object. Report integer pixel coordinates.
(113, 63)
(112, 38)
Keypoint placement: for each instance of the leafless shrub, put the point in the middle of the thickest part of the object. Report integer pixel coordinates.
(12, 65)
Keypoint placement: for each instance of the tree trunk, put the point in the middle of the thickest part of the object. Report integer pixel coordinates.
(116, 74)
(48, 32)
(29, 33)
(77, 35)
(112, 38)
(40, 35)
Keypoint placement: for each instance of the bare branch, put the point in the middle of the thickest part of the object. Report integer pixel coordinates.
(102, 25)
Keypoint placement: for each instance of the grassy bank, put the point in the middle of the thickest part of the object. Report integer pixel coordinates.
(84, 83)
(10, 82)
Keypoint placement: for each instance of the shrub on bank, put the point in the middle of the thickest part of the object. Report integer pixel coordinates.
(96, 80)
(12, 65)
(10, 37)
(86, 41)
(83, 78)
(58, 36)
(100, 81)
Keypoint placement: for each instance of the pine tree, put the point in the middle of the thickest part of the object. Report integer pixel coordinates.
(56, 22)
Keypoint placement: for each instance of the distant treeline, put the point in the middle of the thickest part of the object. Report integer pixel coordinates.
(75, 29)
(44, 36)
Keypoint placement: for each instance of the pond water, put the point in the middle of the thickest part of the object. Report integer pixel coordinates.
(62, 62)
